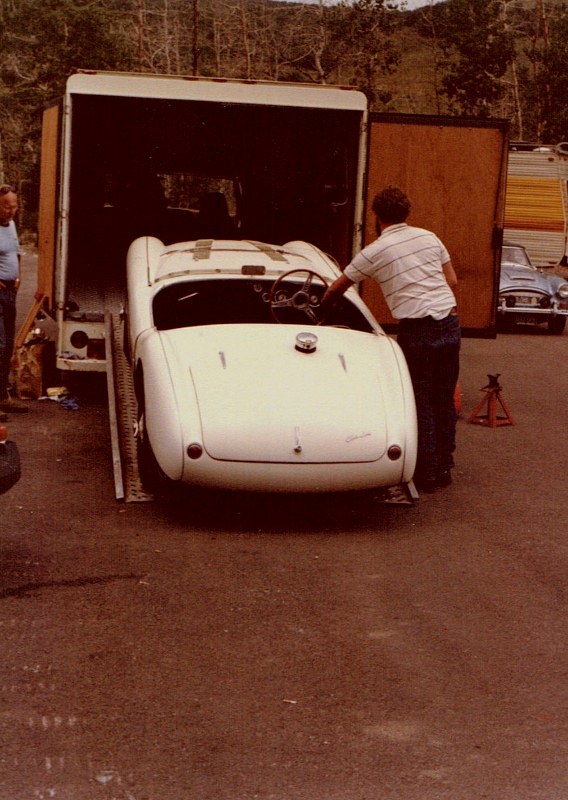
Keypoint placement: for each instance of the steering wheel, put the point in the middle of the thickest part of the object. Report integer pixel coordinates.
(304, 299)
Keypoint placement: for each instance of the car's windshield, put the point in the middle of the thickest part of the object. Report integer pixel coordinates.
(515, 255)
(237, 301)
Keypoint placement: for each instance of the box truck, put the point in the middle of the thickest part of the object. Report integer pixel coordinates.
(125, 155)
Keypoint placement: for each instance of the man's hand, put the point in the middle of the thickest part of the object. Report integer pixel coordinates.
(335, 291)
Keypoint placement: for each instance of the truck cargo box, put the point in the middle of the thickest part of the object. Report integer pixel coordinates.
(125, 155)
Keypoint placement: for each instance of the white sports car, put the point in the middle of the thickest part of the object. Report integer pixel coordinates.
(241, 385)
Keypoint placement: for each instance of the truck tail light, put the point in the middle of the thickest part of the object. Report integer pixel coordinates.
(95, 347)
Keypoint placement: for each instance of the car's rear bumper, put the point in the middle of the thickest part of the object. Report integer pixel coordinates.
(297, 478)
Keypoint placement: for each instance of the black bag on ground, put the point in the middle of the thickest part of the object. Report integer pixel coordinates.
(9, 465)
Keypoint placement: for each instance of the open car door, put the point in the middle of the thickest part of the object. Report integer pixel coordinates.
(454, 172)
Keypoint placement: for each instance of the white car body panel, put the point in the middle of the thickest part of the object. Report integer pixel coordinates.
(258, 395)
(268, 417)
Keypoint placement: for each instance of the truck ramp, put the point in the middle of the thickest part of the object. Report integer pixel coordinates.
(122, 415)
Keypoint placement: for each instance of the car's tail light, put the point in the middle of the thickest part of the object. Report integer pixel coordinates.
(194, 450)
(394, 452)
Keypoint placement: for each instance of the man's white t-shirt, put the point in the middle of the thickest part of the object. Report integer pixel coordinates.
(407, 263)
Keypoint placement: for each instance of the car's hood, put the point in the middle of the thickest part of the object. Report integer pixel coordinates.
(517, 277)
(262, 400)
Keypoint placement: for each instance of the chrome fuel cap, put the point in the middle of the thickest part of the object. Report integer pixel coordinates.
(306, 342)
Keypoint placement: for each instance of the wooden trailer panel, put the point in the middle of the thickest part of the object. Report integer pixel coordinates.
(47, 220)
(454, 172)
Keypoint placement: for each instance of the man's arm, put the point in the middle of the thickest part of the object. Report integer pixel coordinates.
(335, 291)
(450, 273)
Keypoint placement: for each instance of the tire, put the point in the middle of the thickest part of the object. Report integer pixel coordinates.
(556, 325)
(151, 475)
(505, 323)
(126, 340)
(153, 479)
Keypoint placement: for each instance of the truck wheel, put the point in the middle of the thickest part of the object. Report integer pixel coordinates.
(556, 325)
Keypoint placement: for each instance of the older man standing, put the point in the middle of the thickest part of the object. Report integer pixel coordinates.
(9, 283)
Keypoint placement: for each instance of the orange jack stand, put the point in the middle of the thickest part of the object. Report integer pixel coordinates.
(491, 401)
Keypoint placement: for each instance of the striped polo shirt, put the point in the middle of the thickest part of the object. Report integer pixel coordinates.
(407, 264)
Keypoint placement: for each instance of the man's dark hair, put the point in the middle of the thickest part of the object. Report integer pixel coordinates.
(391, 205)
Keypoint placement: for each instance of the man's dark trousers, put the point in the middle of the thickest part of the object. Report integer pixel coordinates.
(7, 334)
(431, 348)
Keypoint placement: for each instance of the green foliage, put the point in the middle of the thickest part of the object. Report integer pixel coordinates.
(479, 50)
(41, 43)
(371, 48)
(544, 80)
(467, 57)
(44, 42)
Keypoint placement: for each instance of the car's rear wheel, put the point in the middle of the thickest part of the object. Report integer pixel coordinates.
(153, 478)
(556, 325)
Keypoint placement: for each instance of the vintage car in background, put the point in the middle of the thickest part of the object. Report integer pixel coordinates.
(529, 295)
(241, 384)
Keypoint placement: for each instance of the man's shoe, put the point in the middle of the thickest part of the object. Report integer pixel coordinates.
(13, 406)
(3, 417)
(444, 478)
(426, 485)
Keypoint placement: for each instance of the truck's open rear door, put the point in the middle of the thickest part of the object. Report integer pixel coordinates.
(48, 202)
(43, 297)
(454, 171)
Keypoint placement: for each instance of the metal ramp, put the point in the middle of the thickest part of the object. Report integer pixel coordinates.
(122, 415)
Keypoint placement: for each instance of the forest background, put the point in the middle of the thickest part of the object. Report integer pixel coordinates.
(475, 58)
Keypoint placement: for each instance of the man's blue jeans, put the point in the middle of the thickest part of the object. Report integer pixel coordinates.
(7, 334)
(432, 348)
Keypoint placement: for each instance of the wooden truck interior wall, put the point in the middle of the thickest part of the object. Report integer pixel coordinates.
(292, 173)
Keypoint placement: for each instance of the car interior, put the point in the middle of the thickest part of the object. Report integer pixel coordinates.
(242, 300)
(184, 171)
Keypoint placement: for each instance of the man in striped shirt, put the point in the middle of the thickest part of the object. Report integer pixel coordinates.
(416, 276)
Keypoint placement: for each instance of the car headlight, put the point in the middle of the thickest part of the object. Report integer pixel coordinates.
(563, 290)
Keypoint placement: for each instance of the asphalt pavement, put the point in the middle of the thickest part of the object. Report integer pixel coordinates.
(221, 647)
